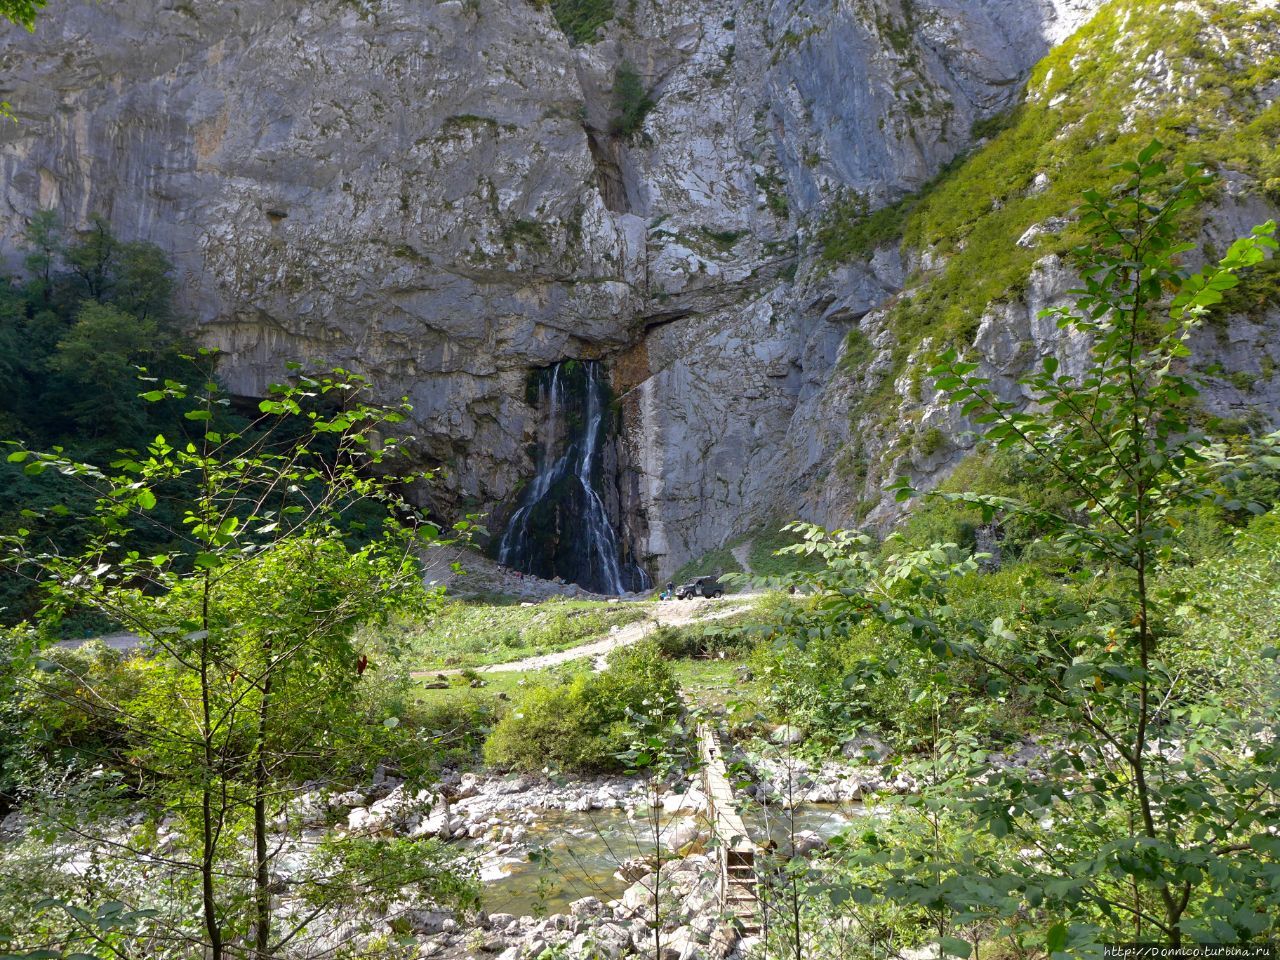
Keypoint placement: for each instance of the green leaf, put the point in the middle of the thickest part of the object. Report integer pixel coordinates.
(198, 415)
(146, 499)
(1056, 938)
(18, 456)
(955, 947)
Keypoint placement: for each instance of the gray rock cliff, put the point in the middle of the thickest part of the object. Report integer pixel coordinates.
(437, 194)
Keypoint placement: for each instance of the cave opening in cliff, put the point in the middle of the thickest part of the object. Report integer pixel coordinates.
(567, 521)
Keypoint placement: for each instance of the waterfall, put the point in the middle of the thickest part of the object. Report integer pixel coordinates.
(562, 525)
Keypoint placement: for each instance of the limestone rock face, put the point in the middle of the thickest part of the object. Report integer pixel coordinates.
(439, 195)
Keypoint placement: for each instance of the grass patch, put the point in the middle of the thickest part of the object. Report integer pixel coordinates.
(858, 351)
(509, 682)
(774, 189)
(723, 239)
(468, 634)
(712, 684)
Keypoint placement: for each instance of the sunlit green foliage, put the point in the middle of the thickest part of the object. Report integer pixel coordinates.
(22, 12)
(248, 679)
(583, 724)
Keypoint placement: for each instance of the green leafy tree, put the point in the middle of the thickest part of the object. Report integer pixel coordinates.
(71, 362)
(98, 360)
(43, 241)
(143, 286)
(22, 12)
(93, 258)
(248, 621)
(1154, 817)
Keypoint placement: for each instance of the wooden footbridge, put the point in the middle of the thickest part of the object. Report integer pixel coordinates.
(735, 850)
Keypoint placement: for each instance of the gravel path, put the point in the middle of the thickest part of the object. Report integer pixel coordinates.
(671, 613)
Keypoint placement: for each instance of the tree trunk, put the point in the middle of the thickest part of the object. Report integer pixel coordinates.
(208, 833)
(262, 879)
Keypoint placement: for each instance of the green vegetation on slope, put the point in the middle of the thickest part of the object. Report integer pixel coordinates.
(1137, 702)
(1092, 102)
(580, 19)
(852, 232)
(765, 560)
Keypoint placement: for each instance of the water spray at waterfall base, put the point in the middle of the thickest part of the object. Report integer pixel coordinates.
(566, 524)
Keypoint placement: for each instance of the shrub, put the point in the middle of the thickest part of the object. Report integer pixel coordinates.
(580, 19)
(631, 101)
(71, 703)
(931, 441)
(851, 231)
(582, 724)
(698, 640)
(837, 682)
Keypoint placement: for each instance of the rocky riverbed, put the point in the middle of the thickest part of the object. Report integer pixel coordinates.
(569, 863)
(565, 863)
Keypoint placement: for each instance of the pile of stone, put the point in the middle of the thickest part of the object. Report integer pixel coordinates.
(688, 923)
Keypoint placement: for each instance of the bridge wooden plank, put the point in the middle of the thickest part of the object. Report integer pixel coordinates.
(736, 850)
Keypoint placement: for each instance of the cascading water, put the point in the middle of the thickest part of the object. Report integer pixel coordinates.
(562, 526)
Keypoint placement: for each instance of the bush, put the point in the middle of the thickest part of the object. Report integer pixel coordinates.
(71, 704)
(703, 640)
(456, 725)
(631, 101)
(834, 683)
(582, 724)
(580, 19)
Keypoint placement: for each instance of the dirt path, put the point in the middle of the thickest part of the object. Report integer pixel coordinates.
(669, 613)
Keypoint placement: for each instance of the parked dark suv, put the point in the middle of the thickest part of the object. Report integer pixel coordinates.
(708, 587)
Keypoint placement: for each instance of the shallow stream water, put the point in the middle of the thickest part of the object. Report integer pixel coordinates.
(577, 855)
